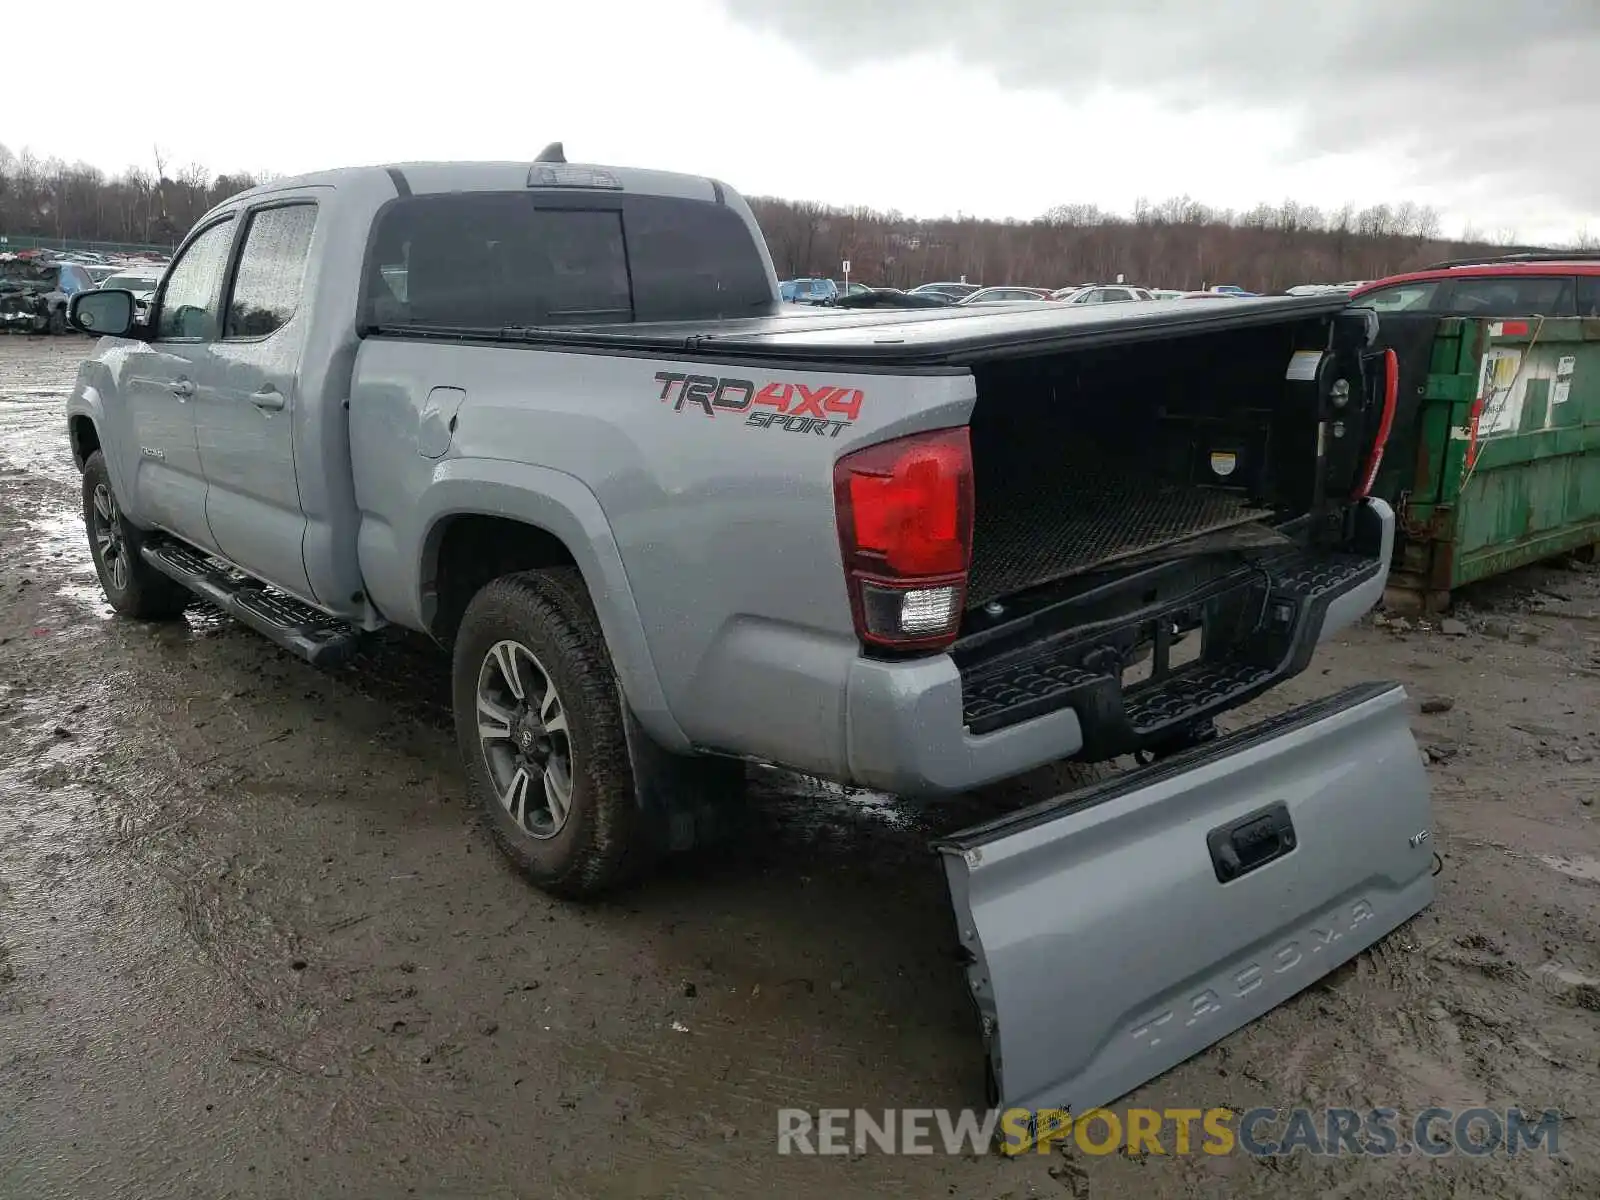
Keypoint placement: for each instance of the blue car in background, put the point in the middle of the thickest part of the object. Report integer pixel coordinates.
(809, 291)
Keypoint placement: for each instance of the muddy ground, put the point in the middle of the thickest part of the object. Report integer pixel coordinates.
(251, 942)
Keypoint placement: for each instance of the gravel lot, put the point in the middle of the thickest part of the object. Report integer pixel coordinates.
(251, 942)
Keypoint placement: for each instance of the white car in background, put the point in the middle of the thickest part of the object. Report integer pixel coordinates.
(1101, 293)
(1006, 295)
(142, 282)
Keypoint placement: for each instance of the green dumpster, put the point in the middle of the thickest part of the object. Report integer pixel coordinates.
(1498, 462)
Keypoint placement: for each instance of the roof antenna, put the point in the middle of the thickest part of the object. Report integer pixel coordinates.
(553, 153)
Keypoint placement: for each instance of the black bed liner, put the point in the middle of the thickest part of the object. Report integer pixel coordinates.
(1087, 512)
(909, 338)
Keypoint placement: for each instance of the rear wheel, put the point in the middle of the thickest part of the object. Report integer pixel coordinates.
(540, 728)
(133, 586)
(58, 321)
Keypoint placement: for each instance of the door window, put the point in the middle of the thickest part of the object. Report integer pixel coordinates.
(189, 298)
(271, 272)
(1511, 296)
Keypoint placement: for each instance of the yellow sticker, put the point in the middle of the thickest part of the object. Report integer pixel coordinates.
(1223, 462)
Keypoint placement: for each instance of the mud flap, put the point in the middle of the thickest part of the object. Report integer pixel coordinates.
(687, 803)
(1114, 932)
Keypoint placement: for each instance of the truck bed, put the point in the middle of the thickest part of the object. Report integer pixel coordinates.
(1088, 512)
(936, 337)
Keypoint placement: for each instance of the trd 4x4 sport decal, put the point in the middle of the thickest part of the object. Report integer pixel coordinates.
(792, 407)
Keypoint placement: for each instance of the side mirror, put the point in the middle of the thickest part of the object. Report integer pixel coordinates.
(108, 313)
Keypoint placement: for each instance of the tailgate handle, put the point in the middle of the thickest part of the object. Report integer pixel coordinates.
(1250, 842)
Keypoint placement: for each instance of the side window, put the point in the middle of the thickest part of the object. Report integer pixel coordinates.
(271, 272)
(189, 298)
(1511, 296)
(1402, 297)
(1589, 295)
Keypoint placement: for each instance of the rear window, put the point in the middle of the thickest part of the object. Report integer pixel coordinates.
(492, 260)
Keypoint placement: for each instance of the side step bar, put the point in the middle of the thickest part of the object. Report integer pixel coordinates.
(1113, 932)
(321, 640)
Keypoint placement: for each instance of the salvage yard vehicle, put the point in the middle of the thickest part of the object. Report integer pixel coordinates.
(666, 527)
(141, 281)
(34, 295)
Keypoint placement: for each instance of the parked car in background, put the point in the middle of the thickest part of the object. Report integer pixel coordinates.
(1165, 294)
(893, 298)
(1515, 285)
(851, 289)
(1102, 294)
(955, 291)
(809, 291)
(34, 294)
(1005, 295)
(1210, 296)
(142, 282)
(1231, 289)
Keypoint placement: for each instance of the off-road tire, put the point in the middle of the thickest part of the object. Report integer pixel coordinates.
(58, 322)
(147, 594)
(603, 842)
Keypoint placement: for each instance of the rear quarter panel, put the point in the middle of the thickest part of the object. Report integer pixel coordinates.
(722, 514)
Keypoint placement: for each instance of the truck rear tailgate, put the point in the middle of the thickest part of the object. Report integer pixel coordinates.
(1116, 931)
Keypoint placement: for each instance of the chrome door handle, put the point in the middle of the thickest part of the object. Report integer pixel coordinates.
(183, 389)
(269, 399)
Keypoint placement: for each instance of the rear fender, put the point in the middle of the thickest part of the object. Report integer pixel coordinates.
(561, 505)
(1116, 931)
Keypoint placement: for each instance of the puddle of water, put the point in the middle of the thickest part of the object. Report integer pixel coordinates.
(64, 549)
(819, 801)
(1578, 867)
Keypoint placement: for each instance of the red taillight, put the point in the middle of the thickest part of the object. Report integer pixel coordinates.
(905, 530)
(1391, 397)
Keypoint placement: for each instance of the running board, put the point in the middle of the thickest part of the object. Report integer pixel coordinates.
(321, 640)
(1113, 932)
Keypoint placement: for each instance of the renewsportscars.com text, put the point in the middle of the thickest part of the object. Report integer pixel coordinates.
(1258, 1132)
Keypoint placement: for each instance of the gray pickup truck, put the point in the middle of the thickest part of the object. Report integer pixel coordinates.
(556, 418)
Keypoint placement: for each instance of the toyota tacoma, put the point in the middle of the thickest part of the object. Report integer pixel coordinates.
(556, 418)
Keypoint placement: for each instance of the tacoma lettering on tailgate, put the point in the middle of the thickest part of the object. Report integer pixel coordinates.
(1247, 978)
(791, 407)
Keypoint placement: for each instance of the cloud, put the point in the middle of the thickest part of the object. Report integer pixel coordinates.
(1488, 100)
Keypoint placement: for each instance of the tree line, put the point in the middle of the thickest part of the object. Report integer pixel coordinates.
(156, 205)
(1179, 242)
(1176, 243)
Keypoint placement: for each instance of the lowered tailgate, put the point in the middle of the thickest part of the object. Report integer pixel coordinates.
(1115, 931)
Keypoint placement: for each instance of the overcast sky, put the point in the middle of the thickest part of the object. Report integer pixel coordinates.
(991, 107)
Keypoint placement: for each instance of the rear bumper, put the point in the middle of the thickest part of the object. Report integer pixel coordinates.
(1113, 932)
(925, 727)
